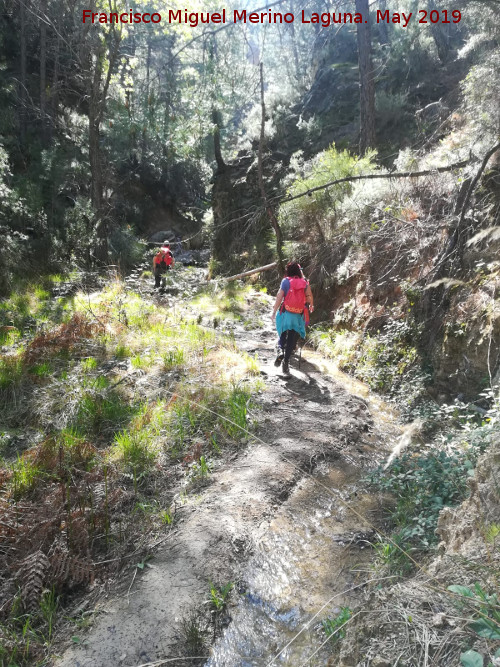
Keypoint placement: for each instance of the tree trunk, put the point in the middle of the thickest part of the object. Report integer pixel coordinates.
(96, 188)
(295, 52)
(441, 35)
(43, 68)
(382, 26)
(97, 103)
(252, 272)
(54, 91)
(96, 184)
(272, 218)
(22, 83)
(366, 80)
(146, 111)
(216, 120)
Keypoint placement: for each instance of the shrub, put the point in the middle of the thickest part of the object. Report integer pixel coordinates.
(11, 369)
(97, 415)
(320, 207)
(134, 450)
(423, 484)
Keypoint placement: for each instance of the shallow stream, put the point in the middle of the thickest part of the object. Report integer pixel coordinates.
(309, 561)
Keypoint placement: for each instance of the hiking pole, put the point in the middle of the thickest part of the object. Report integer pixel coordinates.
(303, 341)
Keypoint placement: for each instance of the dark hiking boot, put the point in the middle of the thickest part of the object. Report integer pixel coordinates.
(279, 358)
(286, 368)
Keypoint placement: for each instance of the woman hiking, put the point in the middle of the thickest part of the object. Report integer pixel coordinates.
(294, 301)
(163, 261)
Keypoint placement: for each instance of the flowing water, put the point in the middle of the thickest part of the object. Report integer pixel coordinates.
(305, 563)
(310, 560)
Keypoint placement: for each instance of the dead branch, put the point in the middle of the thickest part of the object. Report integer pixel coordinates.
(393, 174)
(267, 267)
(450, 247)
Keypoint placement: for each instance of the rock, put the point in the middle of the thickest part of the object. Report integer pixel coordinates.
(159, 237)
(185, 257)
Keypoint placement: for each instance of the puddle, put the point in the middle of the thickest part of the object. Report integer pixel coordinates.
(306, 560)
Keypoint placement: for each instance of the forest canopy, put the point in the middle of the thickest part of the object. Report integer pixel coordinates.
(112, 131)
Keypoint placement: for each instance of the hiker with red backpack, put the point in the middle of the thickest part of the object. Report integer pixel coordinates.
(163, 261)
(293, 304)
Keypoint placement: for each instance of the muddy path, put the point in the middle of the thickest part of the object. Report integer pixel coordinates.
(275, 521)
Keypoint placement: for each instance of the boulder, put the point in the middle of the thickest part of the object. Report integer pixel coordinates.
(159, 237)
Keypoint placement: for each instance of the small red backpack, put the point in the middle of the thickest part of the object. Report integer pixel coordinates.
(295, 299)
(163, 257)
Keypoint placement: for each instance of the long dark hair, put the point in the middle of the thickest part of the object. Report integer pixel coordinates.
(293, 270)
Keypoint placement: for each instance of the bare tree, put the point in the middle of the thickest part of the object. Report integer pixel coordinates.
(272, 216)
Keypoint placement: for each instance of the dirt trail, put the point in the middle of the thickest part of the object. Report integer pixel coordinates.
(263, 522)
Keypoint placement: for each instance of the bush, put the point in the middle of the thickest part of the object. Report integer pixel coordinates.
(303, 214)
(423, 485)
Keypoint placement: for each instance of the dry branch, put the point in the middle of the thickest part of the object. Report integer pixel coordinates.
(393, 174)
(452, 243)
(267, 267)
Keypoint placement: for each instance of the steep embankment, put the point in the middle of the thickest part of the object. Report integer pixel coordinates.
(448, 611)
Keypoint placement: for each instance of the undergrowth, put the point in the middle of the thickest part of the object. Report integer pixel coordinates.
(116, 392)
(387, 361)
(425, 481)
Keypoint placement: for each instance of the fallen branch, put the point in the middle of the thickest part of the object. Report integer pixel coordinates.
(393, 174)
(167, 660)
(453, 240)
(267, 267)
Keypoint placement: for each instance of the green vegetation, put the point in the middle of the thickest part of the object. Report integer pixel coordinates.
(92, 439)
(98, 415)
(226, 303)
(134, 450)
(219, 595)
(110, 400)
(387, 361)
(223, 410)
(320, 208)
(486, 609)
(482, 609)
(423, 484)
(334, 626)
(25, 474)
(194, 633)
(24, 636)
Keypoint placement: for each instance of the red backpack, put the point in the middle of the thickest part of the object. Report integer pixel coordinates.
(164, 258)
(295, 299)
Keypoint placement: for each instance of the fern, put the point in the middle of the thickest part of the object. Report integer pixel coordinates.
(31, 575)
(70, 570)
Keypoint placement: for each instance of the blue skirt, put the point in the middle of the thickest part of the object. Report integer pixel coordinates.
(286, 321)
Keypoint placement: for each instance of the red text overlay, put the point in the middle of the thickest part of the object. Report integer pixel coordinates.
(193, 19)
